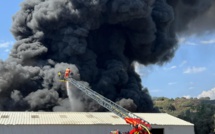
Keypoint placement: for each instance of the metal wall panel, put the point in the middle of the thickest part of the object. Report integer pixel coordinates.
(83, 129)
(60, 129)
(178, 130)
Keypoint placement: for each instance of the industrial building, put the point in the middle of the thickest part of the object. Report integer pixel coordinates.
(85, 123)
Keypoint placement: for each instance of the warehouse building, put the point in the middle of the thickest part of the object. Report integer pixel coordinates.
(85, 123)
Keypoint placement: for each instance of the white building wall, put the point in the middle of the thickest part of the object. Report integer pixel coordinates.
(83, 129)
(173, 129)
(61, 129)
(179, 130)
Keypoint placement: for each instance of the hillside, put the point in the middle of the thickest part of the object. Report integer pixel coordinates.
(200, 112)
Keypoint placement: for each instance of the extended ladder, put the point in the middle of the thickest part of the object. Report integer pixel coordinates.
(110, 105)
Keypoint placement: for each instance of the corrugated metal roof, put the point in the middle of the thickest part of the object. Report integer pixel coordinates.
(163, 119)
(76, 118)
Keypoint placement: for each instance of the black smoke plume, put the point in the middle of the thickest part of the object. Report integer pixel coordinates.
(99, 40)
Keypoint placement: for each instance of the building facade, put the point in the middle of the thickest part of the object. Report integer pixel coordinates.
(85, 123)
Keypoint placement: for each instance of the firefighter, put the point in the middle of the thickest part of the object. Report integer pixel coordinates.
(67, 73)
(59, 74)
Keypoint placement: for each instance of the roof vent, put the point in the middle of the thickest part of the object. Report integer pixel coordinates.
(89, 116)
(34, 116)
(114, 116)
(4, 116)
(63, 116)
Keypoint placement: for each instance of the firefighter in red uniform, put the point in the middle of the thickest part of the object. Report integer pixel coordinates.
(67, 73)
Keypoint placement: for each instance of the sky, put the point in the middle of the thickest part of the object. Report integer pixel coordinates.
(189, 74)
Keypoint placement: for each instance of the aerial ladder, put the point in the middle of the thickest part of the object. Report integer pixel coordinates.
(129, 117)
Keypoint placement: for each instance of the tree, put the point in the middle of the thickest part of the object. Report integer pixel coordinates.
(203, 118)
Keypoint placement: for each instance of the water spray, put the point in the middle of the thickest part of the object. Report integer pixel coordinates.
(69, 93)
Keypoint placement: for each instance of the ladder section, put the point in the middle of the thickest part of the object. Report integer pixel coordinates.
(103, 101)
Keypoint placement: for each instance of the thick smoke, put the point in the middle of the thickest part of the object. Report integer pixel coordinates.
(194, 16)
(99, 40)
